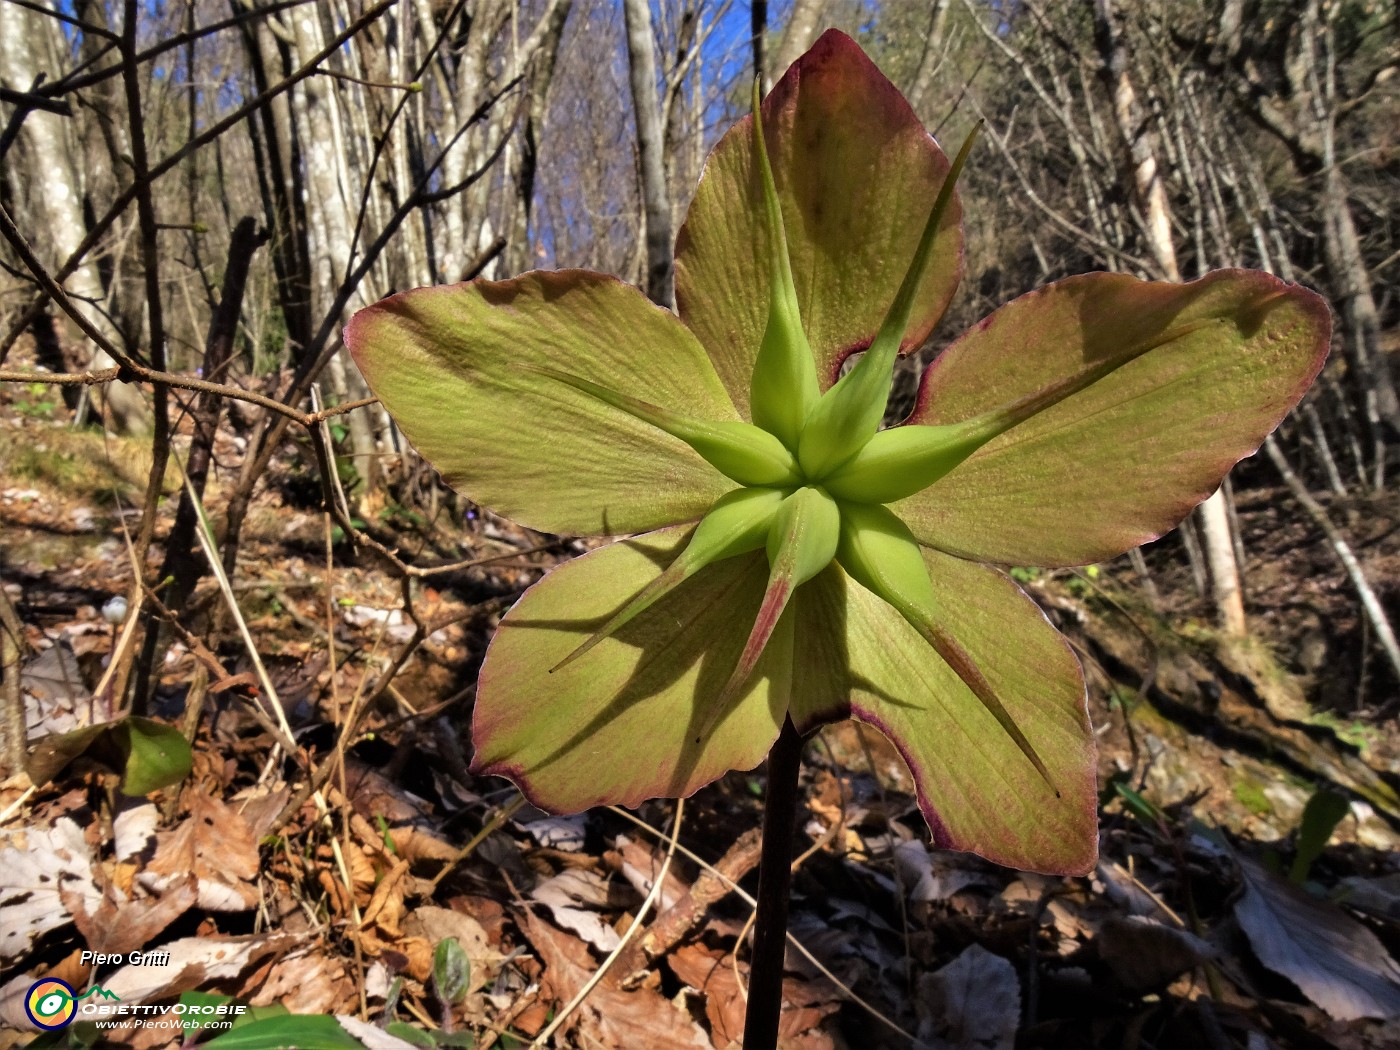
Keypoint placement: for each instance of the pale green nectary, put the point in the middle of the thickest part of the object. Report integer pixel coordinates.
(793, 558)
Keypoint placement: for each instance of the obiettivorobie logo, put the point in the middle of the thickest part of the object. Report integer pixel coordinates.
(52, 1004)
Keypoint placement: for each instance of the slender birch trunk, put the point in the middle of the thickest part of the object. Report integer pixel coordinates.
(54, 187)
(646, 109)
(1151, 197)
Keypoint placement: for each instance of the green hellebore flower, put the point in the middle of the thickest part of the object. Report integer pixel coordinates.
(791, 560)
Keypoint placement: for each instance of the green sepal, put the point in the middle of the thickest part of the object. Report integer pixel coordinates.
(903, 460)
(740, 451)
(784, 386)
(1221, 361)
(878, 551)
(802, 539)
(801, 543)
(738, 523)
(849, 414)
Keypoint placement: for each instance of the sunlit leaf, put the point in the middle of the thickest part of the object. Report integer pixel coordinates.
(856, 176)
(450, 363)
(1123, 461)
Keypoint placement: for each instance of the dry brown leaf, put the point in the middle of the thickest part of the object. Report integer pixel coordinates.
(1125, 890)
(261, 806)
(12, 996)
(937, 875)
(435, 924)
(57, 700)
(363, 875)
(372, 1035)
(1336, 962)
(639, 864)
(415, 844)
(42, 866)
(119, 925)
(194, 963)
(373, 795)
(386, 908)
(217, 846)
(610, 1016)
(332, 888)
(1144, 954)
(133, 830)
(973, 1003)
(805, 1003)
(305, 982)
(72, 969)
(571, 896)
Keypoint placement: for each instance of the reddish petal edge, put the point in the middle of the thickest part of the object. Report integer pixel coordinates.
(1311, 301)
(944, 839)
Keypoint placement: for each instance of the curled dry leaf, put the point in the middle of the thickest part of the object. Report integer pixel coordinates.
(973, 1003)
(42, 867)
(571, 895)
(386, 907)
(1334, 960)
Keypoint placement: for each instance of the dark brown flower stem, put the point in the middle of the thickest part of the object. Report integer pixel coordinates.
(774, 881)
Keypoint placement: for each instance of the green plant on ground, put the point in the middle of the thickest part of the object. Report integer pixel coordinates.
(1250, 794)
(36, 399)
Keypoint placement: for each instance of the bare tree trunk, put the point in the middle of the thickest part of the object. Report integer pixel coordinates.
(280, 182)
(1352, 288)
(641, 55)
(315, 106)
(13, 726)
(801, 33)
(1152, 200)
(1299, 100)
(520, 250)
(466, 222)
(55, 189)
(932, 57)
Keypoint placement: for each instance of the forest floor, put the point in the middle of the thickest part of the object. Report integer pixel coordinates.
(337, 904)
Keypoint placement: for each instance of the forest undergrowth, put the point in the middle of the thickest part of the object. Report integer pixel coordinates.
(357, 878)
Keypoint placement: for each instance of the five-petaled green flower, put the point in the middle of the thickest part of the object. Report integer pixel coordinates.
(836, 569)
